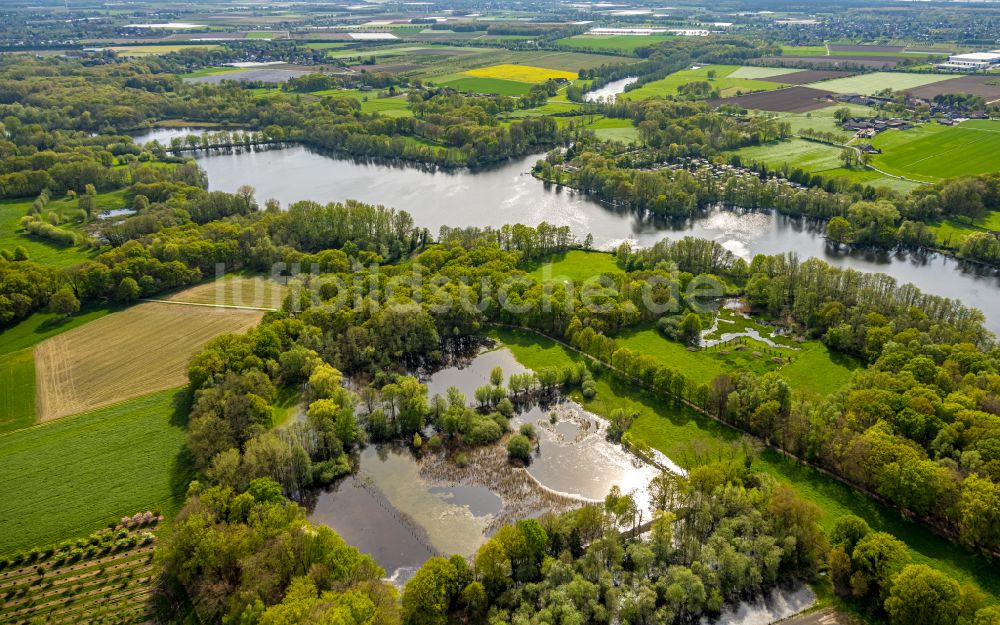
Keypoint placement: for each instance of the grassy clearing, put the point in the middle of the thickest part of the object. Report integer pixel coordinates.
(614, 129)
(812, 368)
(39, 250)
(871, 83)
(618, 43)
(689, 438)
(395, 106)
(72, 476)
(950, 232)
(520, 73)
(932, 152)
(723, 82)
(489, 85)
(817, 158)
(127, 354)
(574, 265)
(17, 397)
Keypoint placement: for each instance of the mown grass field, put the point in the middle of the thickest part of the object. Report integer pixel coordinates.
(127, 354)
(870, 83)
(17, 398)
(817, 158)
(72, 476)
(489, 85)
(575, 265)
(689, 438)
(932, 152)
(622, 43)
(520, 73)
(724, 83)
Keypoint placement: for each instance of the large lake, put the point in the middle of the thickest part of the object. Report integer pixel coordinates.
(509, 194)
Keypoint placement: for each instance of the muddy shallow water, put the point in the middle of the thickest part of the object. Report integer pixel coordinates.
(403, 507)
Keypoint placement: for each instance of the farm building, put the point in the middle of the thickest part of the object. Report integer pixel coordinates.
(972, 62)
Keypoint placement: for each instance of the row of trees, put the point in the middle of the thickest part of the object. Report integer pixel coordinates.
(715, 536)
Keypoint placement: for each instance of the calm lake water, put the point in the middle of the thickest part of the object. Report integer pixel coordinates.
(508, 194)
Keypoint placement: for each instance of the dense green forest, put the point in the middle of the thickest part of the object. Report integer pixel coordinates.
(373, 300)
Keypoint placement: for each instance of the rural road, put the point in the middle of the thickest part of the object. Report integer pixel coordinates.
(180, 303)
(825, 617)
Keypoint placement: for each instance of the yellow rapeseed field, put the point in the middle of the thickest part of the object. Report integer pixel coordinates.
(519, 73)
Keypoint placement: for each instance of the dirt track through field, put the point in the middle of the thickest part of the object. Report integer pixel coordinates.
(127, 354)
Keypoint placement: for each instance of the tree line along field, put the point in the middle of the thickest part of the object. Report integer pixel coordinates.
(74, 475)
(932, 152)
(689, 438)
(724, 82)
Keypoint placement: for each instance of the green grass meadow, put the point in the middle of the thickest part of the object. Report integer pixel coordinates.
(499, 86)
(817, 158)
(932, 152)
(724, 82)
(813, 367)
(575, 265)
(73, 475)
(39, 250)
(949, 232)
(689, 438)
(868, 84)
(17, 399)
(622, 43)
